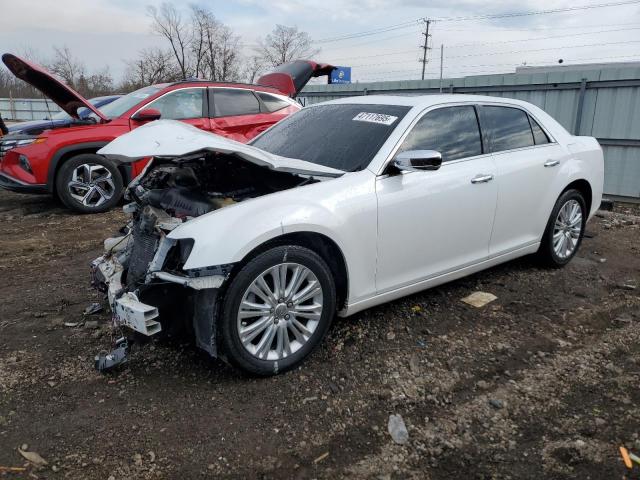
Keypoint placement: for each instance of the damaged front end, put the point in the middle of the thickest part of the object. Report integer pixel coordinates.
(142, 270)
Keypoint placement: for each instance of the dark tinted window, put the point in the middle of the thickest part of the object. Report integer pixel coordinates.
(507, 128)
(452, 131)
(228, 102)
(272, 103)
(345, 136)
(539, 136)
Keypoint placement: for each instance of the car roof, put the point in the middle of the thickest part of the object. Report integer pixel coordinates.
(422, 101)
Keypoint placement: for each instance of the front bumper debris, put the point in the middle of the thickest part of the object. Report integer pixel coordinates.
(132, 313)
(107, 276)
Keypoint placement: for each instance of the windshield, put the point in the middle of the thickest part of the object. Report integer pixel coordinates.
(342, 136)
(122, 104)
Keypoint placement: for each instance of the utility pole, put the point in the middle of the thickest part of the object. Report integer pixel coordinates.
(425, 48)
(441, 63)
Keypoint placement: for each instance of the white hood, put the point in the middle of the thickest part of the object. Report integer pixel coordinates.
(172, 138)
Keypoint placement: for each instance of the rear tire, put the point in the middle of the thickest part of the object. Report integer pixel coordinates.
(89, 183)
(264, 336)
(565, 230)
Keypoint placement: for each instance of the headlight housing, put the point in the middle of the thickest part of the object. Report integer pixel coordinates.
(10, 143)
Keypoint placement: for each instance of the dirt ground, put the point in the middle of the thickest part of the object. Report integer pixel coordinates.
(541, 383)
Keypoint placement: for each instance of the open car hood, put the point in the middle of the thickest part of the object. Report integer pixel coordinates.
(291, 77)
(172, 138)
(65, 97)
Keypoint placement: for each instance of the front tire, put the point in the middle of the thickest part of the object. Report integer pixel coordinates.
(276, 310)
(89, 183)
(565, 230)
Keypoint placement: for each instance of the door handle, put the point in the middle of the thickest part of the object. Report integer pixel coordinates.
(482, 178)
(551, 163)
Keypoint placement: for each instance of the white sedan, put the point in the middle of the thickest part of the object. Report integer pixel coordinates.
(343, 206)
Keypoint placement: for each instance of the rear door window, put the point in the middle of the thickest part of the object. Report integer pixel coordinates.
(507, 128)
(452, 131)
(228, 102)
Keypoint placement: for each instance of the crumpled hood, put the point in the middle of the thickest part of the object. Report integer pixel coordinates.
(65, 97)
(172, 138)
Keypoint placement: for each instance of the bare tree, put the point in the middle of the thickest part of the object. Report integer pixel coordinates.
(253, 67)
(66, 66)
(215, 48)
(202, 22)
(168, 23)
(100, 83)
(153, 65)
(285, 44)
(228, 55)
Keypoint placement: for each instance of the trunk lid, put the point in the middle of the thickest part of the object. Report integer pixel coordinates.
(172, 138)
(291, 77)
(65, 97)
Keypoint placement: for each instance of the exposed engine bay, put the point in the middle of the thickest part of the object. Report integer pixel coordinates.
(142, 270)
(190, 187)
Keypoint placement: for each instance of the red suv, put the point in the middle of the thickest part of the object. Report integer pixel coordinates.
(63, 161)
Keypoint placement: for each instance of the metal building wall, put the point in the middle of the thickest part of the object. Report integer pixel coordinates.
(603, 103)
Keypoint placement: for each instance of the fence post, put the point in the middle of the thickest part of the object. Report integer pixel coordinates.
(12, 107)
(581, 96)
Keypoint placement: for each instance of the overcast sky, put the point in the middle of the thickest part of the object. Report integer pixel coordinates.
(107, 32)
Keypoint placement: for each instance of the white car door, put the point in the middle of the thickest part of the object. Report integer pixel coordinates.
(527, 163)
(433, 222)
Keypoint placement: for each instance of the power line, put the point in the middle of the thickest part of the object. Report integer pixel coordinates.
(402, 52)
(527, 29)
(500, 42)
(512, 65)
(375, 31)
(545, 49)
(410, 23)
(537, 12)
(506, 53)
(376, 40)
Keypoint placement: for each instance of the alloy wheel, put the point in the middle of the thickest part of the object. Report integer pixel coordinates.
(91, 185)
(567, 229)
(279, 311)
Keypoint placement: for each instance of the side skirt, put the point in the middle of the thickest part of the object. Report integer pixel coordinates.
(435, 281)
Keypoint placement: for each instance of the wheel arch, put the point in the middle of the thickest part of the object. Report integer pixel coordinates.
(71, 151)
(584, 187)
(319, 243)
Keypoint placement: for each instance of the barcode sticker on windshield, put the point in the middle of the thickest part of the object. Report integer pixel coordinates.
(380, 118)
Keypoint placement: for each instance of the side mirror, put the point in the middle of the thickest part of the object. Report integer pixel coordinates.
(418, 160)
(147, 115)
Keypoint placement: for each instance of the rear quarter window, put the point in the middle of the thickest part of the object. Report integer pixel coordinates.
(272, 103)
